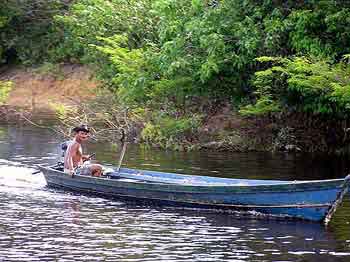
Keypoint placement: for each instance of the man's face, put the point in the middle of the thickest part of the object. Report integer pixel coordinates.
(83, 135)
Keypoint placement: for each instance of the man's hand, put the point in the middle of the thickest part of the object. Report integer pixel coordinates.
(87, 157)
(71, 173)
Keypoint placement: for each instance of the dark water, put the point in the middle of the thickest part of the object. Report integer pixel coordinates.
(41, 224)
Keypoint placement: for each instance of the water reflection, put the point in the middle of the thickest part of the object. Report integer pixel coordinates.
(41, 224)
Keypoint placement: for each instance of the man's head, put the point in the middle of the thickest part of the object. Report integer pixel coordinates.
(81, 132)
(83, 128)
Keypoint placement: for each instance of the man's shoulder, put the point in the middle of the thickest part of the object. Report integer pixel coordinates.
(75, 145)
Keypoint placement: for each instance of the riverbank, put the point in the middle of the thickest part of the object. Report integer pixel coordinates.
(40, 94)
(41, 89)
(37, 94)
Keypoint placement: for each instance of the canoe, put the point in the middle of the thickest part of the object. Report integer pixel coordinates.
(314, 200)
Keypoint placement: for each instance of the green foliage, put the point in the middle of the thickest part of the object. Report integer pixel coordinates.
(3, 21)
(87, 20)
(170, 132)
(319, 29)
(197, 43)
(138, 79)
(302, 84)
(265, 104)
(62, 111)
(5, 16)
(132, 77)
(5, 89)
(212, 50)
(165, 54)
(26, 28)
(90, 23)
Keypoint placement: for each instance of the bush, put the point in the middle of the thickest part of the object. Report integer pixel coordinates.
(27, 34)
(5, 89)
(169, 132)
(302, 84)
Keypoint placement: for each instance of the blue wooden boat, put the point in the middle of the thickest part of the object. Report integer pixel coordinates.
(314, 200)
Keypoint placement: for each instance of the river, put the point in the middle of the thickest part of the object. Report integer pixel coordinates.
(38, 223)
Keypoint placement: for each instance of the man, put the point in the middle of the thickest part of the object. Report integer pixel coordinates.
(74, 158)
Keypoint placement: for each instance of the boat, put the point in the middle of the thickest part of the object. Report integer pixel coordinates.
(314, 200)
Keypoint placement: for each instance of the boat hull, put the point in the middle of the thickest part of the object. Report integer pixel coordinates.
(309, 200)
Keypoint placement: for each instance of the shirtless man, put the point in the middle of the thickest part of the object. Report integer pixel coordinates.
(74, 158)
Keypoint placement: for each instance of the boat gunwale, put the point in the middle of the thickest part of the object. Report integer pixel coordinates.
(242, 179)
(312, 185)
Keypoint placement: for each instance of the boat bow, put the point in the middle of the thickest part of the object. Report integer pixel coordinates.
(339, 199)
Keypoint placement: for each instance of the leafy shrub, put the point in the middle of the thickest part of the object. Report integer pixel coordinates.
(263, 105)
(131, 79)
(63, 111)
(304, 85)
(5, 89)
(26, 28)
(87, 20)
(169, 132)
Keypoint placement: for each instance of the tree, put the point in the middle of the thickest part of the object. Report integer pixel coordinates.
(26, 28)
(301, 84)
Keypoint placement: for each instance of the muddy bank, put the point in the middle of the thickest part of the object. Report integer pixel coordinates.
(46, 87)
(38, 93)
(289, 132)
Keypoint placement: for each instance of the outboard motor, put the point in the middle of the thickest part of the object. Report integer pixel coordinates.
(64, 147)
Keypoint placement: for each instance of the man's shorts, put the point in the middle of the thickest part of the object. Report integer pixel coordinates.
(83, 170)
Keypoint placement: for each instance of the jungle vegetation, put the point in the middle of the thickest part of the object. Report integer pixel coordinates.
(177, 58)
